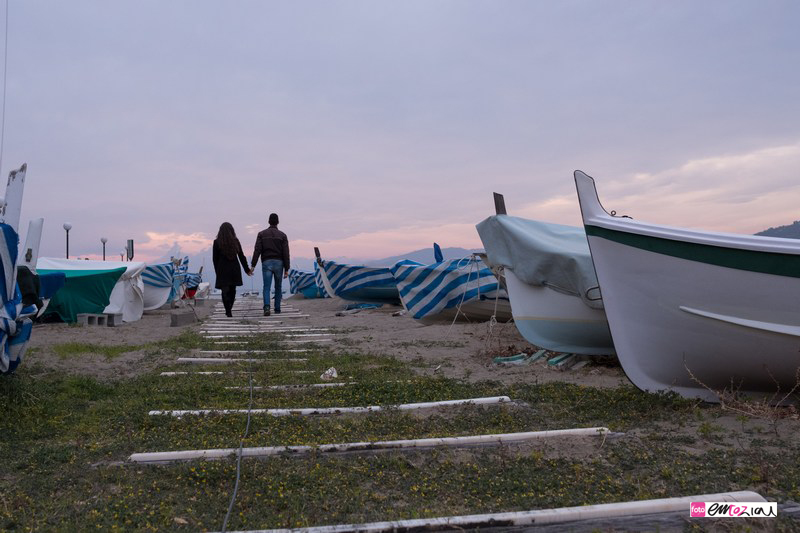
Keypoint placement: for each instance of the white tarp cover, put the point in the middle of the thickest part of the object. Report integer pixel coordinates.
(128, 294)
(542, 254)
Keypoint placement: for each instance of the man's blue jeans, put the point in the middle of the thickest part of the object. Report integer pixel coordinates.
(270, 268)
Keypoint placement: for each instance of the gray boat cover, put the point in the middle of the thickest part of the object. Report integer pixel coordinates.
(542, 254)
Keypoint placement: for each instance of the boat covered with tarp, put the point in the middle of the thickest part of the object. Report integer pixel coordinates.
(551, 283)
(457, 289)
(87, 283)
(359, 283)
(305, 283)
(84, 291)
(158, 282)
(15, 321)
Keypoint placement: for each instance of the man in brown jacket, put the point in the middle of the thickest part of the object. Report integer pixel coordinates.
(272, 247)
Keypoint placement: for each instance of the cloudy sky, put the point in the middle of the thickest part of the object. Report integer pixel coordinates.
(376, 127)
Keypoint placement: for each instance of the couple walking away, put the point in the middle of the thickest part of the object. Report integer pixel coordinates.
(272, 247)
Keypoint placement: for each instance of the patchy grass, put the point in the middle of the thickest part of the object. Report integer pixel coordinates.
(184, 342)
(63, 437)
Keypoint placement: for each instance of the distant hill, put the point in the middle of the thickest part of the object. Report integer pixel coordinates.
(792, 231)
(424, 255)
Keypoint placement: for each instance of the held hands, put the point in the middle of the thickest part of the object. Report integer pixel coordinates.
(285, 274)
(250, 272)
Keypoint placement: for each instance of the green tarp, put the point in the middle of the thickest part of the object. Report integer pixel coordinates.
(85, 291)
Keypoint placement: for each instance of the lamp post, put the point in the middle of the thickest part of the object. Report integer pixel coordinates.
(122, 254)
(104, 241)
(67, 227)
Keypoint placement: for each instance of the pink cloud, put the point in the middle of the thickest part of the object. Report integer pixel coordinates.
(737, 193)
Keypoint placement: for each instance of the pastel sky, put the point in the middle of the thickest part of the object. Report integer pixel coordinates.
(376, 127)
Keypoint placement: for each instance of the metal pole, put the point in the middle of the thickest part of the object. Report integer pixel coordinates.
(104, 241)
(67, 227)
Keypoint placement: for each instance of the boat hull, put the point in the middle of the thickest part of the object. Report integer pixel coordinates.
(694, 312)
(359, 284)
(473, 311)
(556, 321)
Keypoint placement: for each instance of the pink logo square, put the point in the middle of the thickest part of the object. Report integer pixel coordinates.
(697, 509)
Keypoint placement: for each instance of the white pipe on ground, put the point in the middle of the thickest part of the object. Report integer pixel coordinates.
(228, 335)
(240, 352)
(266, 327)
(266, 451)
(225, 360)
(262, 330)
(298, 386)
(336, 410)
(187, 373)
(237, 372)
(538, 517)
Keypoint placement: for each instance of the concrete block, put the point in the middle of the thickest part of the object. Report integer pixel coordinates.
(113, 319)
(182, 318)
(91, 319)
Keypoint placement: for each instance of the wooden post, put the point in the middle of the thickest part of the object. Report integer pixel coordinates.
(499, 204)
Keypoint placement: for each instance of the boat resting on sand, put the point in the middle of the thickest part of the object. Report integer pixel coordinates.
(15, 317)
(695, 312)
(126, 296)
(357, 283)
(458, 289)
(305, 284)
(550, 281)
(158, 280)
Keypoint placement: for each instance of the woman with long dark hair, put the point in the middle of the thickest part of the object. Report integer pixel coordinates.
(226, 251)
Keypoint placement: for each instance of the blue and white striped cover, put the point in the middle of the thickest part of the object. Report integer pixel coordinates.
(15, 332)
(159, 275)
(179, 277)
(349, 280)
(158, 285)
(299, 280)
(427, 290)
(309, 284)
(193, 280)
(320, 283)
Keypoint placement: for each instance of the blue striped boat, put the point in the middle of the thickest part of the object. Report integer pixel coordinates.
(319, 280)
(464, 289)
(359, 283)
(304, 283)
(158, 285)
(15, 327)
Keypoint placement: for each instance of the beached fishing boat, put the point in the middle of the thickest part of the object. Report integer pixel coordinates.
(461, 289)
(550, 281)
(696, 312)
(305, 284)
(358, 283)
(15, 321)
(87, 284)
(158, 286)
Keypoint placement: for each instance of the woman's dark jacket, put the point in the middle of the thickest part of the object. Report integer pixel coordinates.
(227, 270)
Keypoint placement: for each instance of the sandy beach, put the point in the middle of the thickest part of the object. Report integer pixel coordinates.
(457, 350)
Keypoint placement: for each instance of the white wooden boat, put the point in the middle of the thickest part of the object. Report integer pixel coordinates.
(550, 282)
(696, 312)
(15, 322)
